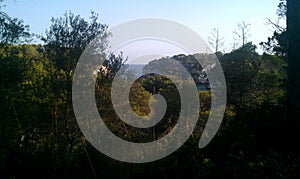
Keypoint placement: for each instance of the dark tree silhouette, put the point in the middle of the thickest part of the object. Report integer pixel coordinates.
(293, 29)
(12, 30)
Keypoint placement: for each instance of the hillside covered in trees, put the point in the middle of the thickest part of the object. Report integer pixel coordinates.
(40, 138)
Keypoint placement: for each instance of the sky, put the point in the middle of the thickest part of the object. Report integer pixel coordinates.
(200, 16)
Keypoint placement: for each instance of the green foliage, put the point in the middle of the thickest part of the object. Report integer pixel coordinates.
(253, 79)
(26, 98)
(69, 35)
(240, 68)
(139, 99)
(39, 136)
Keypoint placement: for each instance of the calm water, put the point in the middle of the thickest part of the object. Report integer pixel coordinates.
(137, 68)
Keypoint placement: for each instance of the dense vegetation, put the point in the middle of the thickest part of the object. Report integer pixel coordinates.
(39, 136)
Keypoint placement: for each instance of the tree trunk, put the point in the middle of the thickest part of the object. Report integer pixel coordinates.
(293, 30)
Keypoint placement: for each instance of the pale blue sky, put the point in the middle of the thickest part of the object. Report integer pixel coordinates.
(201, 15)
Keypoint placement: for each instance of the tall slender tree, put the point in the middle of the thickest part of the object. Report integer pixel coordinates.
(215, 40)
(242, 33)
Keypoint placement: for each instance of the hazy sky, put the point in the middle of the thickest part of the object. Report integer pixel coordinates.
(199, 15)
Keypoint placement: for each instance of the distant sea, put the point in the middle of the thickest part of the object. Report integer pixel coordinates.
(136, 68)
